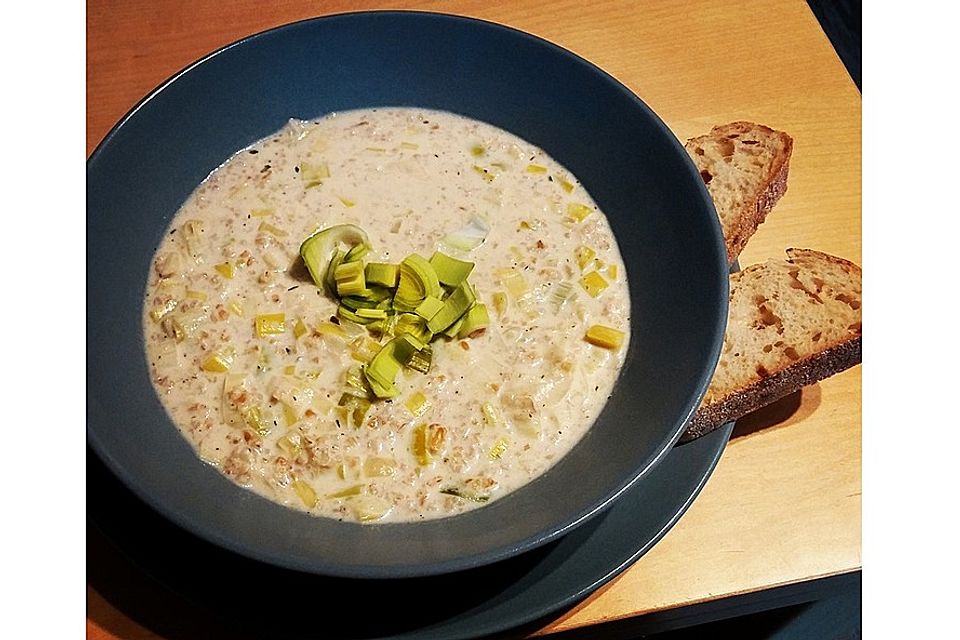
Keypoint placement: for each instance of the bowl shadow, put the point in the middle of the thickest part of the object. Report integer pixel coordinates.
(178, 585)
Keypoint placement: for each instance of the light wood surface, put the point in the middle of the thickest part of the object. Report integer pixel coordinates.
(784, 503)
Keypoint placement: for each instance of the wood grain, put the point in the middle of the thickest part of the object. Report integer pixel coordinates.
(784, 503)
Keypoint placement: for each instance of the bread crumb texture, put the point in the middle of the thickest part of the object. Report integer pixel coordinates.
(785, 311)
(744, 166)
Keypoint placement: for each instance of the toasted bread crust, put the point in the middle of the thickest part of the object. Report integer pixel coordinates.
(763, 205)
(794, 254)
(808, 360)
(753, 209)
(804, 372)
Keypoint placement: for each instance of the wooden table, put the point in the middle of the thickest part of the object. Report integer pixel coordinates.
(783, 507)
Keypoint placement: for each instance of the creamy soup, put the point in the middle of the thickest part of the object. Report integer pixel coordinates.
(294, 384)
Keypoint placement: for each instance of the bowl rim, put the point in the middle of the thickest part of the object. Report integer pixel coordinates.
(462, 562)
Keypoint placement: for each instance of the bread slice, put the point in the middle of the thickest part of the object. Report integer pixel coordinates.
(744, 166)
(791, 323)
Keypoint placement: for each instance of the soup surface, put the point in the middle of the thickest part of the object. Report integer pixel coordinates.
(276, 380)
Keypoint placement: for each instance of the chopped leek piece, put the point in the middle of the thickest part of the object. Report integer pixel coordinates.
(484, 173)
(414, 325)
(226, 269)
(300, 328)
(368, 508)
(467, 495)
(536, 168)
(454, 329)
(158, 313)
(429, 307)
(500, 303)
(560, 293)
(357, 382)
(254, 419)
(612, 271)
(190, 232)
(370, 298)
(381, 389)
(329, 281)
(409, 145)
(218, 362)
(349, 278)
(578, 212)
(386, 327)
(386, 364)
(418, 279)
(187, 325)
(349, 469)
(421, 360)
(450, 271)
(235, 309)
(317, 249)
(382, 274)
(306, 493)
(375, 466)
(270, 324)
(272, 230)
(354, 409)
(349, 314)
(470, 236)
(290, 370)
(456, 304)
(419, 445)
(364, 348)
(475, 322)
(498, 448)
(584, 255)
(290, 416)
(477, 150)
(262, 213)
(594, 283)
(313, 175)
(355, 490)
(515, 284)
(606, 337)
(372, 314)
(417, 404)
(348, 270)
(490, 414)
(330, 329)
(566, 184)
(428, 441)
(197, 295)
(357, 252)
(347, 202)
(290, 444)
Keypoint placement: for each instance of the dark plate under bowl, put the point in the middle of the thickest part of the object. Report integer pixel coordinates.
(620, 150)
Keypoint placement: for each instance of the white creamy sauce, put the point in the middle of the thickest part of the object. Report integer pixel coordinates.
(501, 407)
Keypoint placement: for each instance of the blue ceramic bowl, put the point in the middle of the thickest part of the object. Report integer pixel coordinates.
(625, 157)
